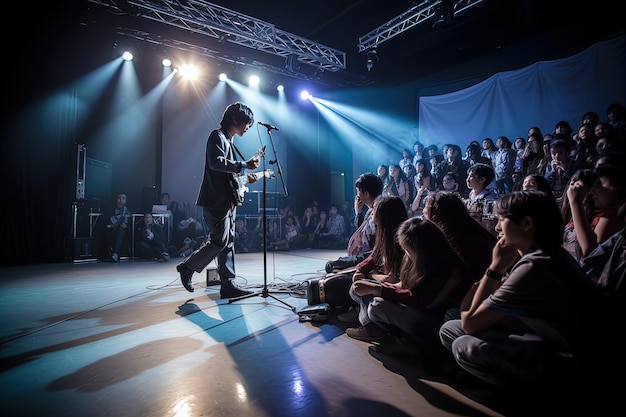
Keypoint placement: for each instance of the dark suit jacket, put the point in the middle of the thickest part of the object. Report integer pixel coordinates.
(220, 167)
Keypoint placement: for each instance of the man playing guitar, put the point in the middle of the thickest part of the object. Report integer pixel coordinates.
(218, 198)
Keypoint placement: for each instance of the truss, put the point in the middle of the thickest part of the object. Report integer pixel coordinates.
(226, 25)
(415, 15)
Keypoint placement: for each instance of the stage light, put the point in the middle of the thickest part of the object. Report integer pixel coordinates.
(372, 58)
(280, 88)
(304, 95)
(189, 71)
(253, 81)
(223, 77)
(166, 62)
(127, 56)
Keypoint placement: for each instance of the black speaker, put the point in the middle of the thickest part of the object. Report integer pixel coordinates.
(250, 203)
(81, 159)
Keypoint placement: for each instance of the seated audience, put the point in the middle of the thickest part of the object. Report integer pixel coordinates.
(608, 193)
(471, 240)
(398, 185)
(150, 240)
(116, 225)
(455, 165)
(423, 184)
(244, 242)
(332, 238)
(504, 164)
(570, 241)
(481, 197)
(368, 188)
(521, 325)
(404, 315)
(307, 226)
(560, 169)
(291, 237)
(537, 182)
(383, 261)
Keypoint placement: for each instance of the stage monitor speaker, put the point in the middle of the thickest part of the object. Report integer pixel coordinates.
(250, 203)
(271, 202)
(81, 159)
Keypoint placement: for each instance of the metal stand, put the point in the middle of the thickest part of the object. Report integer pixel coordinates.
(265, 292)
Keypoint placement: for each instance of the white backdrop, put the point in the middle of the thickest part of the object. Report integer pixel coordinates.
(508, 103)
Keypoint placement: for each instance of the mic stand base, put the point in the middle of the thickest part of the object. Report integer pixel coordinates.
(264, 293)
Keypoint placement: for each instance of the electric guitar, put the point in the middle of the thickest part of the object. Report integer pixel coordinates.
(240, 181)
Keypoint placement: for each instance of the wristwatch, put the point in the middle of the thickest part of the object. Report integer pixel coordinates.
(491, 274)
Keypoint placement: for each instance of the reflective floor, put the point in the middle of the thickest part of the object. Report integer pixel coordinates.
(126, 339)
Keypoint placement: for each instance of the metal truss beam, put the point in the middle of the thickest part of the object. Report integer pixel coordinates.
(415, 15)
(234, 60)
(208, 19)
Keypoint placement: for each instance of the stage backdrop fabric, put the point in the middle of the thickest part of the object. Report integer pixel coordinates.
(508, 103)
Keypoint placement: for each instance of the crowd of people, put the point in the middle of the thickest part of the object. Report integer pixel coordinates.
(526, 300)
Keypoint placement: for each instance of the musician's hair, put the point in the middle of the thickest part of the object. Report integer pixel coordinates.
(236, 114)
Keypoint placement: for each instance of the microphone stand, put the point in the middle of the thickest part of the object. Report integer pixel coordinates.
(265, 292)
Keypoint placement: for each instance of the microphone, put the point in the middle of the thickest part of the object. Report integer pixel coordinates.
(268, 126)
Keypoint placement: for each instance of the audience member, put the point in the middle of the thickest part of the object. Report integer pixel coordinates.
(423, 184)
(150, 240)
(474, 156)
(609, 194)
(383, 261)
(616, 115)
(383, 173)
(244, 240)
(471, 241)
(570, 241)
(117, 223)
(522, 324)
(504, 165)
(585, 152)
(291, 237)
(454, 164)
(481, 198)
(536, 182)
(451, 184)
(332, 238)
(434, 161)
(368, 189)
(488, 148)
(407, 159)
(534, 160)
(404, 317)
(419, 151)
(518, 179)
(563, 131)
(560, 169)
(398, 185)
(609, 145)
(308, 225)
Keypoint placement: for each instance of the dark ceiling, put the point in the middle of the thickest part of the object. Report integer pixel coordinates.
(533, 29)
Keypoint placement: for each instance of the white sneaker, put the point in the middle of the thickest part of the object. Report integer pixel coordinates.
(350, 316)
(115, 257)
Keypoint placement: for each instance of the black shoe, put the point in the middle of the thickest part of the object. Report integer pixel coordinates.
(185, 276)
(230, 290)
(329, 267)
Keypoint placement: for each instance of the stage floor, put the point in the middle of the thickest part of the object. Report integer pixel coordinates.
(126, 339)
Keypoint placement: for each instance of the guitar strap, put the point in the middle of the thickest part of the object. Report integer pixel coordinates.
(239, 153)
